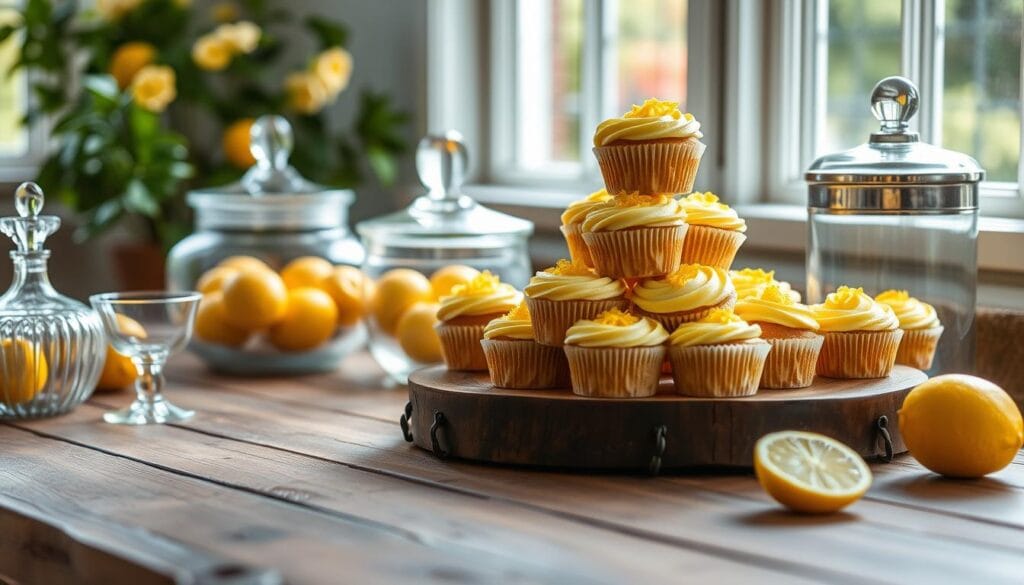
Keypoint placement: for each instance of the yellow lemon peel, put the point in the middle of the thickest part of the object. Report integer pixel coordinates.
(570, 268)
(893, 296)
(519, 312)
(723, 316)
(484, 283)
(683, 274)
(638, 200)
(773, 294)
(655, 108)
(616, 318)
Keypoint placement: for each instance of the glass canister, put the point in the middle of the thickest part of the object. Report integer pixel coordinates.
(442, 237)
(275, 216)
(897, 213)
(51, 347)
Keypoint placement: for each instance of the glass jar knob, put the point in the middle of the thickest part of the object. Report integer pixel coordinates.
(271, 143)
(894, 101)
(441, 163)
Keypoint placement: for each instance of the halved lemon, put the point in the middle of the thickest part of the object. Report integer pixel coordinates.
(808, 472)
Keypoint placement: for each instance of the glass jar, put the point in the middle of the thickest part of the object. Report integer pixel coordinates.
(897, 213)
(274, 215)
(51, 347)
(441, 228)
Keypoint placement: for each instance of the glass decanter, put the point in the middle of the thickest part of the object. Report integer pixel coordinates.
(51, 347)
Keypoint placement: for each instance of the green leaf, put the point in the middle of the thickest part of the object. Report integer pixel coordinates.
(139, 199)
(330, 33)
(102, 86)
(383, 165)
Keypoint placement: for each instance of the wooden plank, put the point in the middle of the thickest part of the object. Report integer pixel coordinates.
(696, 518)
(307, 546)
(433, 514)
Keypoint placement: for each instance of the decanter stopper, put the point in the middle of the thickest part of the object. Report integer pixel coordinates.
(29, 230)
(271, 143)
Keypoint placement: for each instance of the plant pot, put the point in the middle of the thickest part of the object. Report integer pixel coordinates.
(139, 266)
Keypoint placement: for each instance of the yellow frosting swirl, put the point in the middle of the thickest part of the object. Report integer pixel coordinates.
(706, 209)
(912, 313)
(630, 211)
(751, 282)
(690, 287)
(849, 309)
(653, 120)
(573, 281)
(516, 324)
(484, 295)
(719, 326)
(578, 210)
(773, 305)
(615, 328)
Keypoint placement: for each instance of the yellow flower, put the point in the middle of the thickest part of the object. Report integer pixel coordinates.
(128, 59)
(116, 9)
(306, 93)
(154, 87)
(225, 12)
(236, 143)
(212, 53)
(334, 68)
(243, 37)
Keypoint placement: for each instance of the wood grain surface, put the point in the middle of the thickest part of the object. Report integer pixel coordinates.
(308, 480)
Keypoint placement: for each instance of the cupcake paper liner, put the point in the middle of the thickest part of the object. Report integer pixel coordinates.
(578, 250)
(917, 349)
(792, 362)
(858, 354)
(525, 364)
(718, 371)
(650, 168)
(636, 252)
(672, 320)
(551, 319)
(460, 345)
(711, 246)
(615, 372)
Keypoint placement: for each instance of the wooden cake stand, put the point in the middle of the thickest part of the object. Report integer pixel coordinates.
(460, 414)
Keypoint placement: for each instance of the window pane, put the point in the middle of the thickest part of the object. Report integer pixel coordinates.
(549, 43)
(13, 137)
(981, 83)
(652, 52)
(864, 41)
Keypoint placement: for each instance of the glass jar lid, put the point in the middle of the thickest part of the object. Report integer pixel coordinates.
(271, 195)
(926, 177)
(444, 216)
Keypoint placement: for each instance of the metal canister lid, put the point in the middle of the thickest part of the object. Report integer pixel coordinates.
(894, 170)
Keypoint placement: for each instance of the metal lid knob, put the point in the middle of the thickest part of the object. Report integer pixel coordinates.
(894, 101)
(442, 163)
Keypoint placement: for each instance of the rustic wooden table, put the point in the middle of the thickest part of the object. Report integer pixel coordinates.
(308, 480)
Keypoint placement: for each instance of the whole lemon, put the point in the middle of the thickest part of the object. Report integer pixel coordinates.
(118, 370)
(212, 326)
(310, 320)
(213, 279)
(352, 292)
(416, 334)
(23, 371)
(397, 290)
(254, 299)
(444, 279)
(244, 263)
(961, 426)
(128, 60)
(306, 271)
(235, 143)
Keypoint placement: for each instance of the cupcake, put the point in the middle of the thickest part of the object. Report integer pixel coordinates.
(572, 222)
(516, 360)
(791, 330)
(615, 355)
(751, 282)
(716, 231)
(920, 325)
(687, 294)
(651, 149)
(567, 292)
(720, 356)
(465, 312)
(633, 236)
(862, 336)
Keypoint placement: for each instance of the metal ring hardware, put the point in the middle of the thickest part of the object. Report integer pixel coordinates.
(882, 424)
(405, 421)
(435, 429)
(660, 442)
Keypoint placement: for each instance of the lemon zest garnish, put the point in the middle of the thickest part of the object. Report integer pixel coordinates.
(773, 294)
(758, 275)
(655, 108)
(706, 199)
(484, 283)
(893, 296)
(566, 268)
(723, 316)
(616, 318)
(519, 312)
(638, 200)
(683, 274)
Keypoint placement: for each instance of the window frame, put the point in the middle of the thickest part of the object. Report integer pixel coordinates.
(16, 168)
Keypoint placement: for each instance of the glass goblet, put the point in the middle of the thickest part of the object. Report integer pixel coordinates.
(148, 327)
